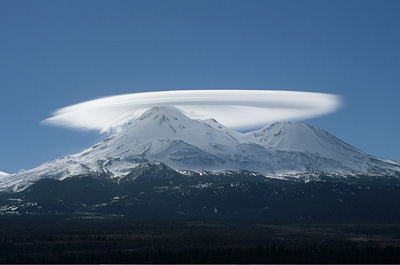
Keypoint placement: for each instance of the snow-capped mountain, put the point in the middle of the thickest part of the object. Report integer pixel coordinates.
(165, 134)
(305, 138)
(3, 174)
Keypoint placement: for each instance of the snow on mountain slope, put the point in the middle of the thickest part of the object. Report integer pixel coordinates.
(3, 174)
(305, 138)
(161, 133)
(164, 134)
(165, 123)
(291, 136)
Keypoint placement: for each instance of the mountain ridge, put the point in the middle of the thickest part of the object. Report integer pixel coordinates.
(165, 134)
(154, 191)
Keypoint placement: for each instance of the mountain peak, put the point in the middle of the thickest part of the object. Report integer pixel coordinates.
(158, 122)
(163, 112)
(302, 137)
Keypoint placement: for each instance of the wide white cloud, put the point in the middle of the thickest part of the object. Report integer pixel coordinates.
(238, 109)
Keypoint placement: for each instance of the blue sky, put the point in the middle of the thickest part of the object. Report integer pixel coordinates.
(57, 53)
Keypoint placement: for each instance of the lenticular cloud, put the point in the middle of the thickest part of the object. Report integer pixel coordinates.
(237, 109)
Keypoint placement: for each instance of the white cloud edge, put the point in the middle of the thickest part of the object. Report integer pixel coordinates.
(3, 174)
(238, 109)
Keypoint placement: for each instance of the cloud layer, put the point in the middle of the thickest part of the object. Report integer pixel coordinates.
(237, 109)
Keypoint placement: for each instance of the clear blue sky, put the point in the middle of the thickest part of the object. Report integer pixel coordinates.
(58, 53)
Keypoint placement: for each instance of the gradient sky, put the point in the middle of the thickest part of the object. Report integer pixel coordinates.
(57, 53)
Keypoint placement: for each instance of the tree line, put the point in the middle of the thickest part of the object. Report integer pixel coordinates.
(260, 254)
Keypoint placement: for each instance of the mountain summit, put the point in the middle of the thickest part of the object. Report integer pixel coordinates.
(166, 135)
